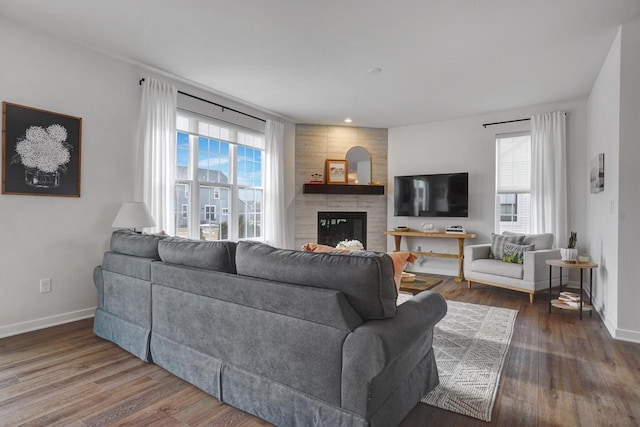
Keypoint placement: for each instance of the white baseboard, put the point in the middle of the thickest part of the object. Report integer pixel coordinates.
(615, 332)
(46, 322)
(627, 335)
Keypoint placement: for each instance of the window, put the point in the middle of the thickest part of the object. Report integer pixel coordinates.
(185, 211)
(209, 212)
(220, 167)
(513, 182)
(508, 207)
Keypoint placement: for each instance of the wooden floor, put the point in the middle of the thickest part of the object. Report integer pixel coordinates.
(558, 372)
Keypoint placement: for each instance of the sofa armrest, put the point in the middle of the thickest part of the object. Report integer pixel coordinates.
(535, 268)
(474, 252)
(99, 284)
(391, 348)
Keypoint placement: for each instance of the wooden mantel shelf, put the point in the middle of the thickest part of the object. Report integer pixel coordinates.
(342, 189)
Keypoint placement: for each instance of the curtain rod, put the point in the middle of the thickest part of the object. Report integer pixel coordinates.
(508, 121)
(216, 104)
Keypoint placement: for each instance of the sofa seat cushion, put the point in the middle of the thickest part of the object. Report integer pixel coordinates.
(216, 256)
(131, 243)
(365, 278)
(498, 268)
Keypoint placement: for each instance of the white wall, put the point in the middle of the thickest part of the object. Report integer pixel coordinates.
(614, 126)
(463, 145)
(64, 238)
(55, 237)
(629, 196)
(602, 208)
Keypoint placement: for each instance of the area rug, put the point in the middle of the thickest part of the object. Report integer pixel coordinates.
(470, 344)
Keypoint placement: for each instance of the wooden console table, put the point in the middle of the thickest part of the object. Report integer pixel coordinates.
(397, 236)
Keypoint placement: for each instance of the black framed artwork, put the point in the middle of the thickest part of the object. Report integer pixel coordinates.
(40, 152)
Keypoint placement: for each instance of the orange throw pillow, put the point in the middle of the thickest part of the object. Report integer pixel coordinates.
(315, 247)
(400, 259)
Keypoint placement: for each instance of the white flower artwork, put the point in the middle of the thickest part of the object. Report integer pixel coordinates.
(42, 152)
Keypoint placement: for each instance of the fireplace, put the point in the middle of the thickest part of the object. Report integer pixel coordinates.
(334, 227)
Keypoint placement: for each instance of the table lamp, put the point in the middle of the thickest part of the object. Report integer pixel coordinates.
(133, 215)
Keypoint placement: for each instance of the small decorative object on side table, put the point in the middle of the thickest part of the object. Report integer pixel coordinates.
(570, 253)
(561, 302)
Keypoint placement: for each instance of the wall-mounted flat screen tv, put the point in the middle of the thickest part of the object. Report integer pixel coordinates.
(444, 195)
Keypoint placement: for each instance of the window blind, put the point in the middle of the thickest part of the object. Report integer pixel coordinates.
(513, 163)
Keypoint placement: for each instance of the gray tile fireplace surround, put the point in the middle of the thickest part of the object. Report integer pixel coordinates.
(315, 144)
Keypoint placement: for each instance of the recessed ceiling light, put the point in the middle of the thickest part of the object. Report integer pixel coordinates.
(375, 70)
(348, 120)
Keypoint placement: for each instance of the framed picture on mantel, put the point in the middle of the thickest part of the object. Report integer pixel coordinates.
(336, 171)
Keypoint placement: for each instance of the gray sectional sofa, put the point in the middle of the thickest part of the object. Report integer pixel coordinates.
(295, 338)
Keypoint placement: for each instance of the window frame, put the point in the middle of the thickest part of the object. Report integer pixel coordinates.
(193, 184)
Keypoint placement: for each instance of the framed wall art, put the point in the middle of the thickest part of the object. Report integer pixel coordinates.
(40, 152)
(336, 171)
(597, 173)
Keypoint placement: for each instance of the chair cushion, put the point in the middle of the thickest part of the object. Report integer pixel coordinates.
(498, 268)
(498, 241)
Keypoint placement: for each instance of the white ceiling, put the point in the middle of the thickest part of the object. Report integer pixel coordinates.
(309, 60)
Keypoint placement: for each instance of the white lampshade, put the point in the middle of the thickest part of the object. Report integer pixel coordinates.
(133, 215)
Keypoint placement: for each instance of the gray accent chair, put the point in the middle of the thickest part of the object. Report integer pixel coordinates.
(295, 338)
(530, 277)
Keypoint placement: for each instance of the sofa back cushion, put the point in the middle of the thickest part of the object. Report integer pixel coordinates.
(365, 278)
(217, 256)
(541, 241)
(129, 242)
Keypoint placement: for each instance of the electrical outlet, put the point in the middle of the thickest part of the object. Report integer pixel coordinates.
(45, 285)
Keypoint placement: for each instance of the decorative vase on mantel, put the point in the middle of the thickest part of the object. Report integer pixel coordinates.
(570, 253)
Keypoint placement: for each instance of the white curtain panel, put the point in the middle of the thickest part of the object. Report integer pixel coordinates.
(548, 175)
(274, 230)
(157, 139)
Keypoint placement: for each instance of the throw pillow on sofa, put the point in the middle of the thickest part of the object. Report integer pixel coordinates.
(515, 253)
(542, 240)
(400, 259)
(499, 240)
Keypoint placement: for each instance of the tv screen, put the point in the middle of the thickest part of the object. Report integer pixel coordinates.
(444, 195)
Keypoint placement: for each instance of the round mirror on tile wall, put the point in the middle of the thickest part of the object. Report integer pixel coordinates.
(359, 164)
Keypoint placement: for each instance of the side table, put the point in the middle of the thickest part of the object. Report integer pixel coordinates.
(576, 265)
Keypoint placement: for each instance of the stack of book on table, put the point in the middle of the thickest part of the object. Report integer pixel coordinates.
(570, 298)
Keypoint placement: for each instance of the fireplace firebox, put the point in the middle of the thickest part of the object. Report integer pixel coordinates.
(334, 227)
